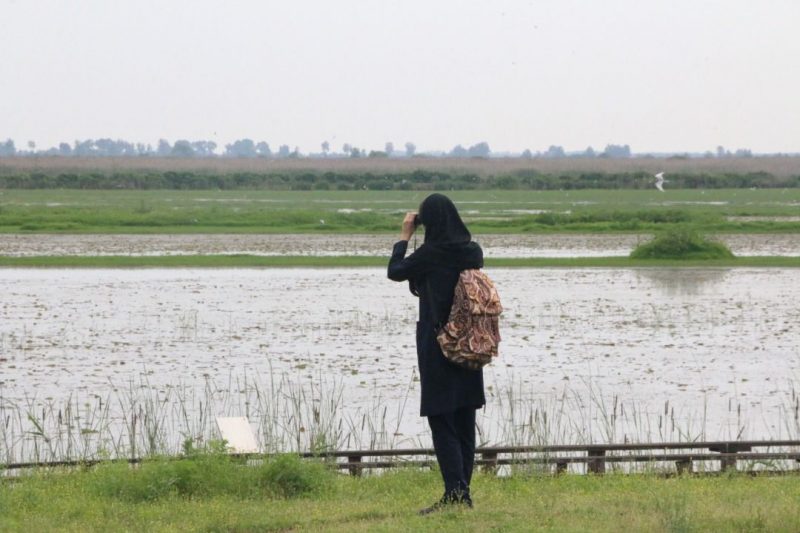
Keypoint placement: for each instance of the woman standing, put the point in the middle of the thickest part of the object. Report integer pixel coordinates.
(450, 394)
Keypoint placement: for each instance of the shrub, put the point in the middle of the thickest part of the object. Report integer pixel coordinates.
(202, 473)
(118, 480)
(289, 476)
(681, 243)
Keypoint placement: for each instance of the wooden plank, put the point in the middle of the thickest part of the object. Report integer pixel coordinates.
(683, 466)
(489, 462)
(595, 460)
(355, 465)
(707, 445)
(721, 449)
(564, 461)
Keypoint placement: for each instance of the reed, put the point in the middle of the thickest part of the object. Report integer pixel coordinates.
(314, 415)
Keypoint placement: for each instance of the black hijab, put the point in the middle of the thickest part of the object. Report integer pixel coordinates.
(447, 240)
(443, 226)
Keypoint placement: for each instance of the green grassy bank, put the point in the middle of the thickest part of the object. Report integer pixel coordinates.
(253, 261)
(487, 211)
(227, 497)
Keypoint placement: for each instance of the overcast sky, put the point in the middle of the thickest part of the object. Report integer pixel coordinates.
(658, 75)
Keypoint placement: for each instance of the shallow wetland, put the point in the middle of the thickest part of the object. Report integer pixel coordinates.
(607, 354)
(514, 245)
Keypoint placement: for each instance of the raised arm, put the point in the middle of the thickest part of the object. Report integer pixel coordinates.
(401, 267)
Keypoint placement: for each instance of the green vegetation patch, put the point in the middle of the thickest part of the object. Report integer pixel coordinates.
(681, 243)
(207, 475)
(364, 211)
(216, 494)
(395, 174)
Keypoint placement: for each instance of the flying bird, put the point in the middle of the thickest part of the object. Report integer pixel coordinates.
(660, 181)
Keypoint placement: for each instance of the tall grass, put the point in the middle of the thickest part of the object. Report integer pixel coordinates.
(314, 415)
(144, 421)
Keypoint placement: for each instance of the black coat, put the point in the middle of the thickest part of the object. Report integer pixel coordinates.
(432, 274)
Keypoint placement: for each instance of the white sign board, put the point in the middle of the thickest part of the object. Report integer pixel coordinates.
(237, 431)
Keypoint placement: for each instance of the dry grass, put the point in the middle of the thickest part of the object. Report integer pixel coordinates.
(779, 166)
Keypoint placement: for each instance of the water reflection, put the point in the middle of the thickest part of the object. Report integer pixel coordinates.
(682, 281)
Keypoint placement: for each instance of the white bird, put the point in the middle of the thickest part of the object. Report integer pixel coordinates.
(660, 181)
(321, 221)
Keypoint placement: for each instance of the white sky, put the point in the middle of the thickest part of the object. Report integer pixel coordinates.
(658, 75)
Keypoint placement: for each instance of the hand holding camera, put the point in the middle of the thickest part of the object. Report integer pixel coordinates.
(410, 224)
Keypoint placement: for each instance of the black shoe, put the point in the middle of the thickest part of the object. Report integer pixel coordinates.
(448, 502)
(460, 498)
(441, 505)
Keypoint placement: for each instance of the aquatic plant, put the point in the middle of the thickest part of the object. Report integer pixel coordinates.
(681, 243)
(143, 421)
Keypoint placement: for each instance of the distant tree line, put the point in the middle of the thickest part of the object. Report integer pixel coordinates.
(182, 148)
(248, 148)
(411, 180)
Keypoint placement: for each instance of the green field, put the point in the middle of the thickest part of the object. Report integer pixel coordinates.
(217, 497)
(489, 211)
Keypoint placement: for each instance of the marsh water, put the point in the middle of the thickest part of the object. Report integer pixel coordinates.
(525, 245)
(711, 348)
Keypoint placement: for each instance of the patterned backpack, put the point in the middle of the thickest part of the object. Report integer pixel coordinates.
(470, 337)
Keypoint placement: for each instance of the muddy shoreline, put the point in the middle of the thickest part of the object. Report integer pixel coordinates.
(517, 245)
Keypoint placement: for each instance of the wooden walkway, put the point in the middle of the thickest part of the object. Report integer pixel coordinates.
(596, 457)
(683, 455)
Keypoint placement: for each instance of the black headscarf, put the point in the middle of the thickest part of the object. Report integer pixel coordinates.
(447, 240)
(443, 227)
(448, 243)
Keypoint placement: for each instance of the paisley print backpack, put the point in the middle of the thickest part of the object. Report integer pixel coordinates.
(470, 337)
